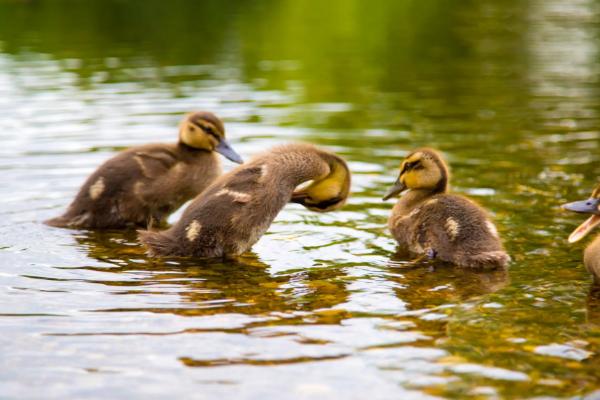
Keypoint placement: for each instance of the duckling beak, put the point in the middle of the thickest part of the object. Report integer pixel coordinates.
(584, 228)
(589, 206)
(227, 151)
(398, 188)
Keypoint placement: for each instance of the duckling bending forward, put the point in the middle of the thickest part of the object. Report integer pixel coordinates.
(591, 256)
(427, 220)
(143, 185)
(237, 209)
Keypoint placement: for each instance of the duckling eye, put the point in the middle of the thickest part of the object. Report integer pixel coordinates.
(211, 131)
(414, 165)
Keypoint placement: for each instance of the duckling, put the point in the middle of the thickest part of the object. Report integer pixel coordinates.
(142, 185)
(237, 209)
(429, 221)
(591, 256)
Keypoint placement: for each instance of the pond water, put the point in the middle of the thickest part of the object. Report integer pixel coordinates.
(509, 91)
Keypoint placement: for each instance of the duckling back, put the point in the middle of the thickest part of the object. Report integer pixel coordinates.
(451, 228)
(226, 219)
(141, 184)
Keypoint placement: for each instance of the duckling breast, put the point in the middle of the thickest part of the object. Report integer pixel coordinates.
(591, 258)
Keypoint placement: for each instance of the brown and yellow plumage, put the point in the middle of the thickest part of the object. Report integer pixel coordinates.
(428, 220)
(238, 208)
(591, 256)
(145, 184)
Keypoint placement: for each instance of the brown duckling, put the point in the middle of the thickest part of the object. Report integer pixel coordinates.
(142, 185)
(591, 256)
(237, 209)
(427, 220)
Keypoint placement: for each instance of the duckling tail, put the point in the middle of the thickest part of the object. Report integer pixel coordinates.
(486, 260)
(157, 243)
(58, 222)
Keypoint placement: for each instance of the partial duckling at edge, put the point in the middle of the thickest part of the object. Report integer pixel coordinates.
(591, 256)
(237, 209)
(143, 185)
(429, 221)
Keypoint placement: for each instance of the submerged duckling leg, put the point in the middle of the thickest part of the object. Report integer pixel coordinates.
(419, 259)
(428, 255)
(431, 253)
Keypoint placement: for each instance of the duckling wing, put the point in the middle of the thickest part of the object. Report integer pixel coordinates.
(456, 219)
(155, 162)
(460, 232)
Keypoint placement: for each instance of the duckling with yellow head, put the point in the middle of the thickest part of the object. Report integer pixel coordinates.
(429, 221)
(591, 256)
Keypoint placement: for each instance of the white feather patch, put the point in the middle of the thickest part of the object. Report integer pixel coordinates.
(452, 227)
(97, 188)
(141, 164)
(237, 196)
(492, 228)
(411, 214)
(192, 230)
(264, 170)
(137, 188)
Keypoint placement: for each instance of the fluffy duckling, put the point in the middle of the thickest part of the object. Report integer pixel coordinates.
(427, 220)
(591, 256)
(237, 209)
(142, 185)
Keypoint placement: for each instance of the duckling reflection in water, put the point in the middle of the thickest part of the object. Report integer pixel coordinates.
(145, 184)
(421, 289)
(238, 208)
(429, 221)
(244, 285)
(591, 256)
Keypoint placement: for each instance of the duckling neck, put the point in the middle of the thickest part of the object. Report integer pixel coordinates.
(296, 168)
(413, 198)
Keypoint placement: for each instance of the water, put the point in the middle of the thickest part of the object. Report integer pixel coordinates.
(321, 308)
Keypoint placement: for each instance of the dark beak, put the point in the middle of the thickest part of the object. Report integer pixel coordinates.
(227, 151)
(398, 188)
(589, 206)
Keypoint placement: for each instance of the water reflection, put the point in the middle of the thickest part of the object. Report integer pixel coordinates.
(429, 285)
(506, 90)
(593, 305)
(210, 287)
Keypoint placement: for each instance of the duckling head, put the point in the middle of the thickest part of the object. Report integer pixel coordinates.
(589, 206)
(204, 130)
(423, 169)
(329, 192)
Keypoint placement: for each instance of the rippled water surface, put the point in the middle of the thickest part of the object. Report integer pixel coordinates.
(509, 91)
